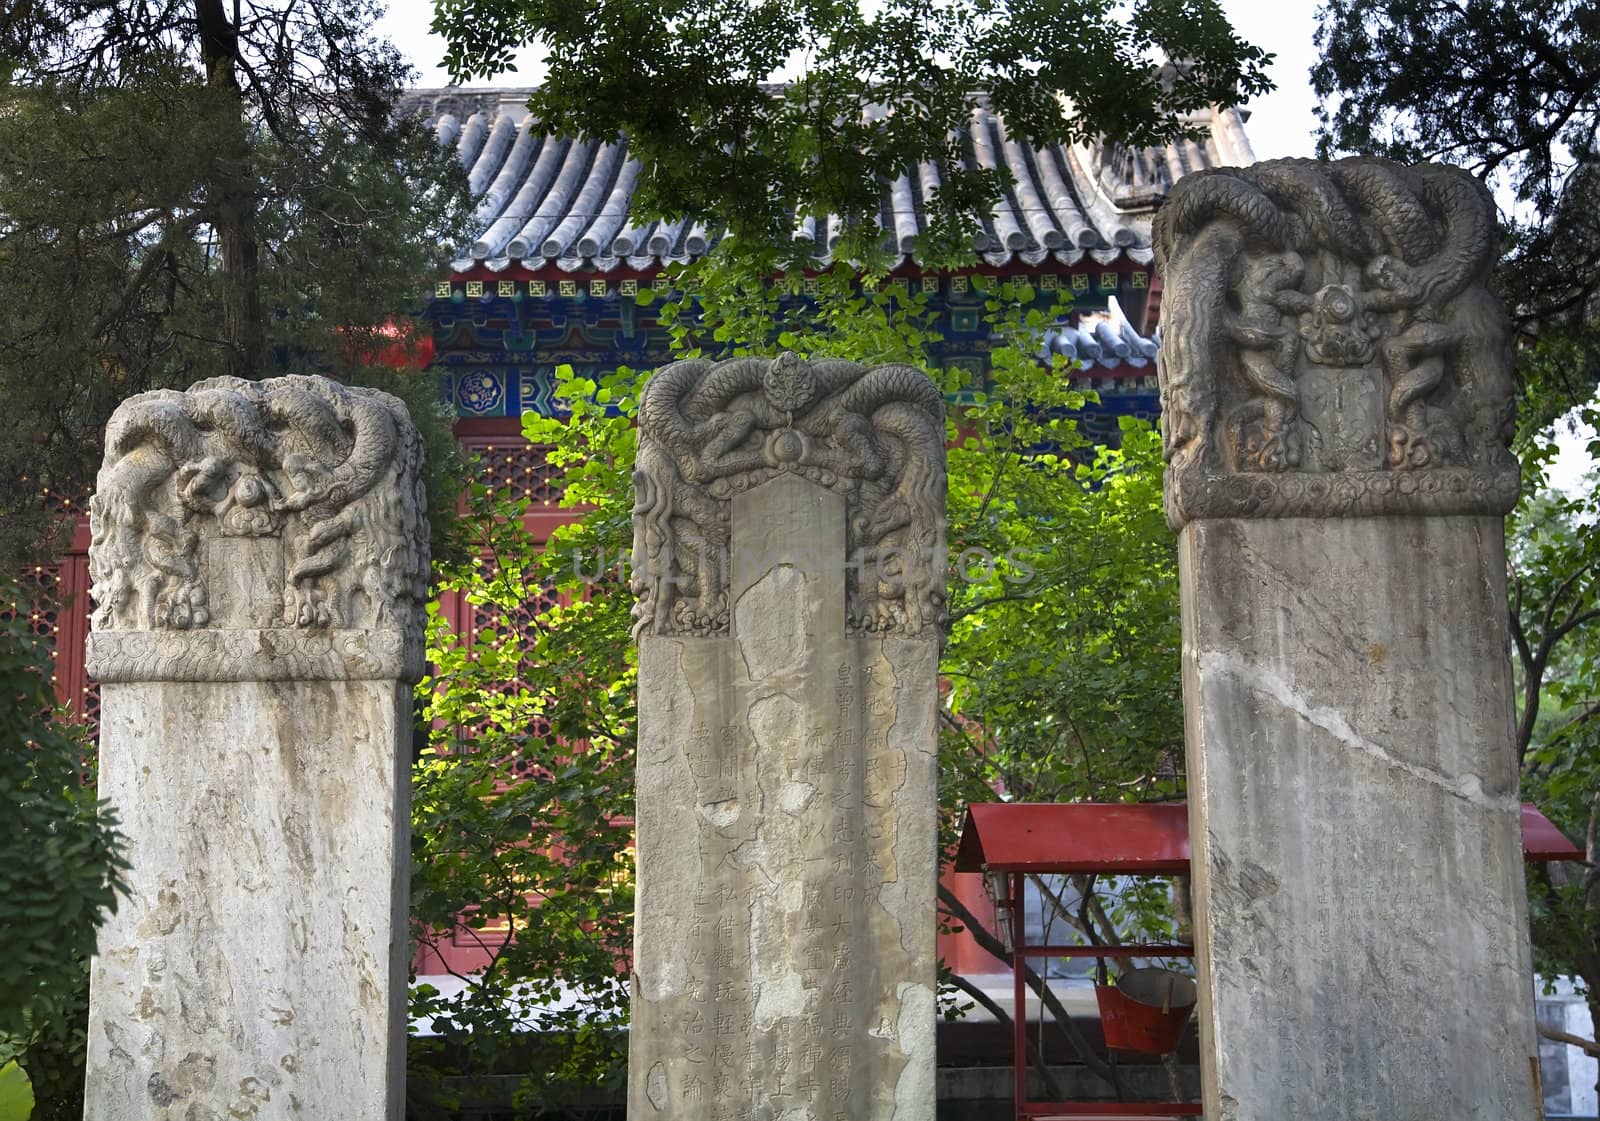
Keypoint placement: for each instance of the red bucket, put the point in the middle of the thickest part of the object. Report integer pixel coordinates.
(1147, 1011)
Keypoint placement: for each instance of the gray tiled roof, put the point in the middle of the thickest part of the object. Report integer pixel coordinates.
(563, 201)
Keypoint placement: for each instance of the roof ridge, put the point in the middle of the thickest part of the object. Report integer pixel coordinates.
(1069, 200)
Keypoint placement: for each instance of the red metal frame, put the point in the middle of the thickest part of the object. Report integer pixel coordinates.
(1020, 954)
(1018, 838)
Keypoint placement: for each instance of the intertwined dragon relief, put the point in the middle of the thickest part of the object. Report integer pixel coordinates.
(1330, 345)
(710, 429)
(291, 504)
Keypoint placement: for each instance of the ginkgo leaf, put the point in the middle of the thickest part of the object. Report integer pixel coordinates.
(16, 1093)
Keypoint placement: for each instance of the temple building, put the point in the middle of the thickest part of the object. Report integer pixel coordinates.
(558, 259)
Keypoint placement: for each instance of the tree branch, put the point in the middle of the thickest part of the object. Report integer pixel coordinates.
(1080, 1046)
(1025, 593)
(1035, 1058)
(154, 259)
(1058, 904)
(1587, 1046)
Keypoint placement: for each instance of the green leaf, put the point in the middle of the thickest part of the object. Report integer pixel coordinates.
(16, 1093)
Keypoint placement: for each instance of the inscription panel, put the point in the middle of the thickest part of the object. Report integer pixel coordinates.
(784, 940)
(1343, 410)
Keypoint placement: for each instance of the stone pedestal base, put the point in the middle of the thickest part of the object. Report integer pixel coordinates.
(1359, 900)
(258, 966)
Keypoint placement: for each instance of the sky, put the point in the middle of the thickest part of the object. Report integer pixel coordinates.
(1282, 123)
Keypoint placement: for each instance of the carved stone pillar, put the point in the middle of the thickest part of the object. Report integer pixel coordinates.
(1336, 401)
(789, 562)
(259, 555)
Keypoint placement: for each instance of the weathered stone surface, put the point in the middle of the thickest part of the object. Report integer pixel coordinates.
(276, 654)
(1331, 351)
(784, 961)
(258, 966)
(1359, 901)
(259, 556)
(1330, 346)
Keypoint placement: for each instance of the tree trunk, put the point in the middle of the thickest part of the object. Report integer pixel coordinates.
(241, 289)
(1589, 963)
(1106, 1071)
(234, 195)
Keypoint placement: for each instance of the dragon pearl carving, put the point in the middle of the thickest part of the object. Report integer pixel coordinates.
(1330, 344)
(327, 477)
(707, 430)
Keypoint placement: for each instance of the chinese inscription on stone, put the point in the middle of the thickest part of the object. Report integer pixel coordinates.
(789, 561)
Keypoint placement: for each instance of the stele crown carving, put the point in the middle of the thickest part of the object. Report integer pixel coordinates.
(710, 429)
(1330, 345)
(293, 505)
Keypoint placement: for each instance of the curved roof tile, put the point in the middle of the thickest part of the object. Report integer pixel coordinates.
(546, 199)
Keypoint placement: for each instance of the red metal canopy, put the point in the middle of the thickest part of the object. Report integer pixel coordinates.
(1148, 839)
(1541, 840)
(1152, 839)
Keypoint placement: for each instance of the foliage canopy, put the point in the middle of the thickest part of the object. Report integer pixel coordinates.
(1555, 625)
(60, 859)
(877, 88)
(189, 190)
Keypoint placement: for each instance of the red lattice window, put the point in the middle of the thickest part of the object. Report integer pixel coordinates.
(68, 507)
(77, 692)
(521, 621)
(54, 599)
(515, 764)
(490, 617)
(38, 601)
(514, 468)
(40, 593)
(90, 709)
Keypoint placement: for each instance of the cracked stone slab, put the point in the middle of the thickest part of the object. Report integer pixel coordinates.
(784, 961)
(1359, 900)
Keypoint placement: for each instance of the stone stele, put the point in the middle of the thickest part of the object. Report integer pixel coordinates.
(259, 559)
(1337, 404)
(789, 564)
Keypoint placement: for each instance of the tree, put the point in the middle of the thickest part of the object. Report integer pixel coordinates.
(1555, 606)
(188, 190)
(879, 88)
(522, 802)
(195, 189)
(60, 865)
(1511, 92)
